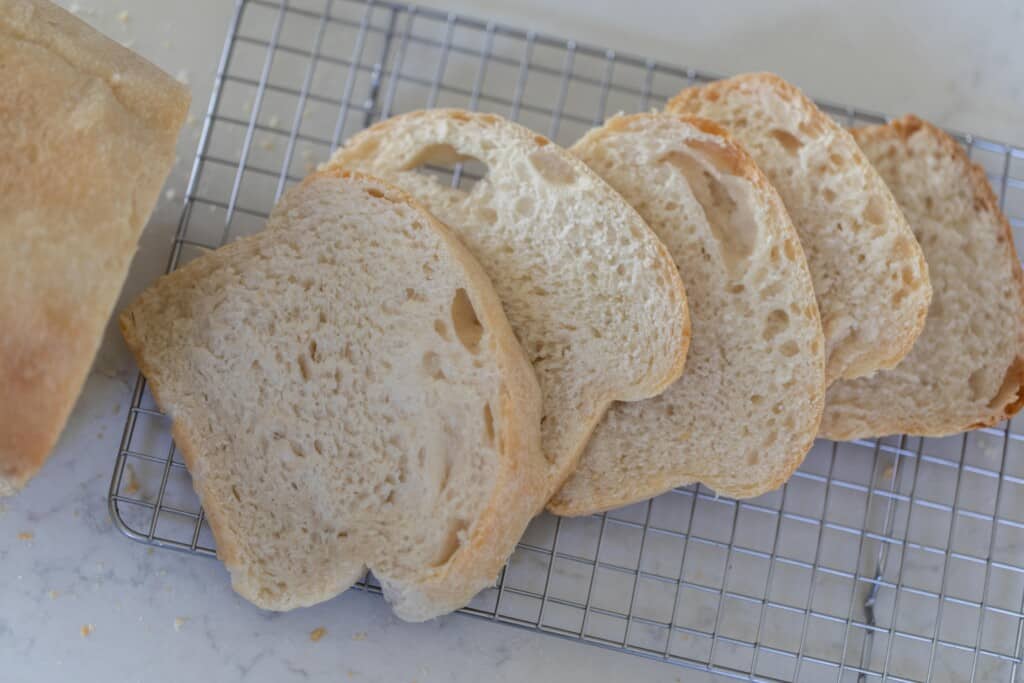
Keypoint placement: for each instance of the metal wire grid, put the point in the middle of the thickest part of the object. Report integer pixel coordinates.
(859, 569)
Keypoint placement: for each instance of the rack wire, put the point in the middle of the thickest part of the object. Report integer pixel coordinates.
(900, 559)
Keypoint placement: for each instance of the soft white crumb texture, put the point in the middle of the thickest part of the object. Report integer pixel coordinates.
(746, 409)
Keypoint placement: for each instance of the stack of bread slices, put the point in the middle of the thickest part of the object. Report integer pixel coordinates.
(398, 375)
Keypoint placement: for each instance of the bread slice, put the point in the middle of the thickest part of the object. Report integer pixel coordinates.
(347, 393)
(88, 130)
(869, 273)
(967, 368)
(748, 405)
(591, 292)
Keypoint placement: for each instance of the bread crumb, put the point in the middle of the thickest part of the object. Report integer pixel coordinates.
(130, 43)
(87, 630)
(149, 551)
(350, 673)
(26, 536)
(274, 121)
(359, 635)
(166, 44)
(53, 595)
(182, 76)
(123, 16)
(307, 154)
(170, 194)
(267, 144)
(179, 622)
(191, 119)
(317, 633)
(74, 8)
(132, 485)
(887, 472)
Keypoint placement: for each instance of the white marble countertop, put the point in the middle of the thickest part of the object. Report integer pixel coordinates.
(80, 602)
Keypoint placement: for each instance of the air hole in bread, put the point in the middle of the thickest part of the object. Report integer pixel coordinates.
(441, 329)
(442, 159)
(234, 492)
(318, 446)
(552, 167)
(789, 142)
(432, 365)
(874, 212)
(776, 323)
(791, 249)
(734, 230)
(789, 349)
(756, 399)
(464, 319)
(374, 192)
(342, 534)
(304, 368)
(828, 194)
(487, 215)
(489, 423)
(525, 206)
(296, 450)
(452, 540)
(753, 457)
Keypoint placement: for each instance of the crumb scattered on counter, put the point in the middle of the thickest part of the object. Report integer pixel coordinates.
(123, 16)
(887, 472)
(53, 595)
(26, 536)
(359, 635)
(317, 633)
(74, 8)
(182, 76)
(132, 483)
(267, 144)
(87, 630)
(191, 119)
(170, 194)
(179, 622)
(274, 121)
(149, 551)
(350, 673)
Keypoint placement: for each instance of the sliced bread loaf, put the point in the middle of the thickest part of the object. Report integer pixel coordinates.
(347, 393)
(88, 129)
(747, 407)
(591, 292)
(967, 368)
(869, 274)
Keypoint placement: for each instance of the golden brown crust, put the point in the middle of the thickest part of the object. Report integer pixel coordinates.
(90, 129)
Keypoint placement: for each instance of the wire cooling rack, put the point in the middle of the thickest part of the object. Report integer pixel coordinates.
(900, 559)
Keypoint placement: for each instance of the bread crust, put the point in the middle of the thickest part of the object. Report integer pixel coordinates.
(90, 129)
(518, 489)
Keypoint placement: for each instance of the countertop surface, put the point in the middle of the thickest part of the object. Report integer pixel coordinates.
(79, 602)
